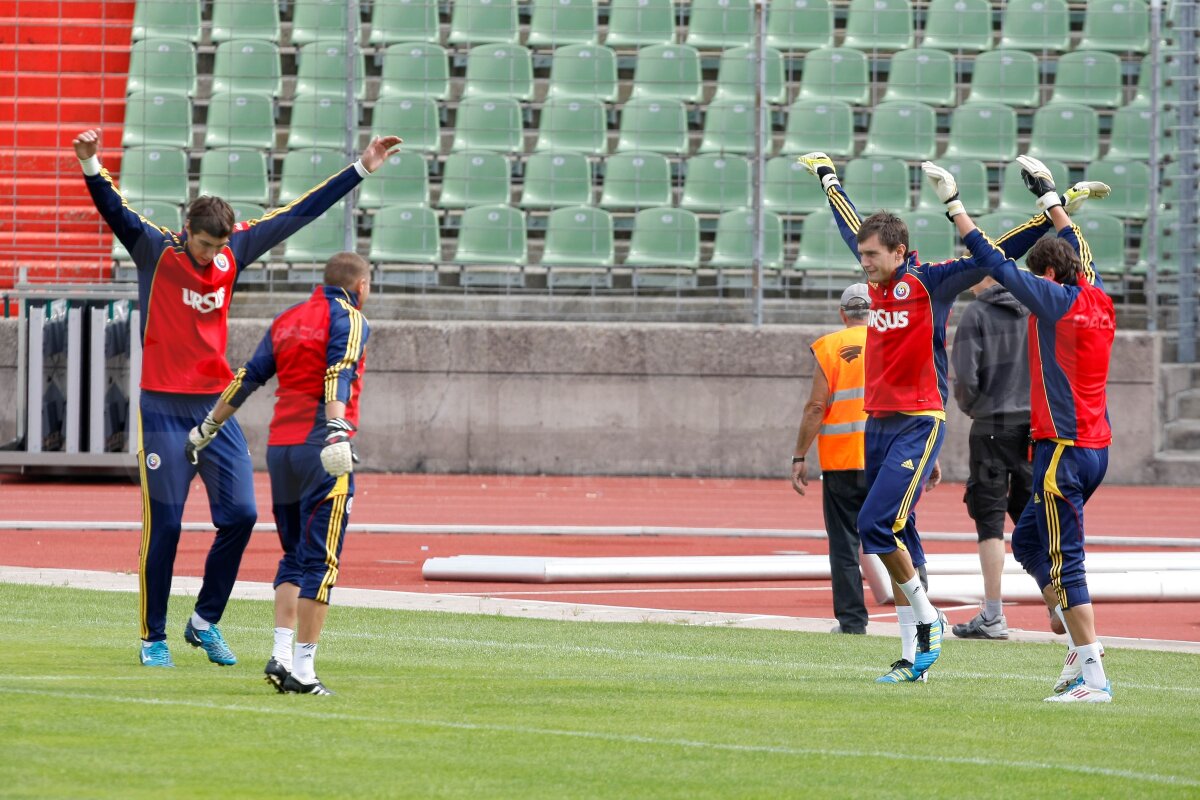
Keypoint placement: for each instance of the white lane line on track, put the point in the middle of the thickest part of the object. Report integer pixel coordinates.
(633, 739)
(705, 590)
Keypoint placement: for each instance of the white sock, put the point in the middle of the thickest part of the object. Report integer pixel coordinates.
(908, 633)
(1063, 619)
(304, 662)
(1093, 668)
(199, 622)
(282, 652)
(992, 609)
(919, 600)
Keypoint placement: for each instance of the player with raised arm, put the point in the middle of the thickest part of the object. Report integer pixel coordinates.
(185, 283)
(1071, 331)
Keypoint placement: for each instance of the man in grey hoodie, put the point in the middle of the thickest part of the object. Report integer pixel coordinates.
(991, 385)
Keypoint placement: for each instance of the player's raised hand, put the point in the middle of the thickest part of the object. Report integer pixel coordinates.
(1040, 182)
(945, 186)
(378, 151)
(1083, 191)
(820, 165)
(87, 143)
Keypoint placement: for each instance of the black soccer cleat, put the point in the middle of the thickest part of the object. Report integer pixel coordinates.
(276, 674)
(293, 685)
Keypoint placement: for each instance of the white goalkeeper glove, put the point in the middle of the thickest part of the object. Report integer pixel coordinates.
(946, 188)
(1074, 198)
(1040, 182)
(820, 165)
(200, 437)
(338, 456)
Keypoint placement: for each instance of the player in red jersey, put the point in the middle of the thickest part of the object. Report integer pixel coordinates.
(1071, 331)
(185, 283)
(317, 350)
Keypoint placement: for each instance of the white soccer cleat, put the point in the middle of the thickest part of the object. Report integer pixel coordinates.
(1072, 673)
(1084, 694)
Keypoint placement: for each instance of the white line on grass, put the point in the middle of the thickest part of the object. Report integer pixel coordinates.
(621, 738)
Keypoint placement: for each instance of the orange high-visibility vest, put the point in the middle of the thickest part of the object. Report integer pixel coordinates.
(841, 356)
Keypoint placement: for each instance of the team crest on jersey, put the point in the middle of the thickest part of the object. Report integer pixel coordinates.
(204, 303)
(901, 291)
(221, 262)
(153, 461)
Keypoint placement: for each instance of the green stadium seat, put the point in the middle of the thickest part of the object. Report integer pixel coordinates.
(577, 125)
(415, 69)
(729, 128)
(304, 169)
(499, 70)
(162, 65)
(321, 68)
(825, 125)
(1015, 198)
(1166, 237)
(314, 20)
(555, 23)
(922, 75)
(987, 131)
(157, 119)
(475, 178)
(245, 19)
(1105, 236)
(319, 239)
(404, 21)
(959, 25)
(902, 129)
(1117, 26)
(489, 124)
(247, 65)
(417, 118)
(247, 211)
(668, 72)
(1132, 128)
(579, 236)
(800, 25)
(733, 247)
(553, 180)
(1011, 77)
(932, 236)
(156, 212)
(483, 22)
(1089, 77)
(1040, 25)
(998, 223)
(1065, 130)
(318, 120)
(971, 175)
(492, 235)
(240, 120)
(636, 180)
(721, 23)
(639, 23)
(664, 239)
(716, 183)
(878, 184)
(874, 25)
(402, 181)
(656, 125)
(173, 19)
(789, 188)
(822, 248)
(235, 174)
(406, 235)
(737, 76)
(836, 73)
(583, 71)
(154, 173)
(1130, 182)
(1168, 91)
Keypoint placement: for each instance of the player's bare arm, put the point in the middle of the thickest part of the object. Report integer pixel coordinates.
(810, 425)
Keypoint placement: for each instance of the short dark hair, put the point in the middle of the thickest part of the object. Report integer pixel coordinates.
(211, 215)
(890, 229)
(346, 270)
(1057, 256)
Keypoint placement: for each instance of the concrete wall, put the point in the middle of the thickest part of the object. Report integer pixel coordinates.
(615, 398)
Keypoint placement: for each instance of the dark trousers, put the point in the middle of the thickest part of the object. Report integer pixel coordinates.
(843, 493)
(1001, 477)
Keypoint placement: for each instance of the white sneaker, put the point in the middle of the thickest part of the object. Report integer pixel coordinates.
(1072, 672)
(1084, 694)
(979, 628)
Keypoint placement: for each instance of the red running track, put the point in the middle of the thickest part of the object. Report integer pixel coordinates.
(393, 561)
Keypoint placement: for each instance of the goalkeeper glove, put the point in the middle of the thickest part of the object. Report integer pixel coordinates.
(200, 437)
(946, 188)
(820, 165)
(338, 456)
(1040, 182)
(1084, 190)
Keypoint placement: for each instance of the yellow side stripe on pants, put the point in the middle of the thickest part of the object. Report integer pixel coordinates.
(333, 535)
(906, 504)
(145, 543)
(1050, 491)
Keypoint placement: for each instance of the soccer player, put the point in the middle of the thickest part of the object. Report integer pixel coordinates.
(1071, 331)
(317, 350)
(906, 393)
(185, 282)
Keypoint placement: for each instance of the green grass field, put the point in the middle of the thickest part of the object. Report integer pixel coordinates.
(449, 706)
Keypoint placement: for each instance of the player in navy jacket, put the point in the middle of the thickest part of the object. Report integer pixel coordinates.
(317, 350)
(185, 283)
(1071, 331)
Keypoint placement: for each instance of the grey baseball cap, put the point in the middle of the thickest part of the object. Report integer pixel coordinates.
(856, 297)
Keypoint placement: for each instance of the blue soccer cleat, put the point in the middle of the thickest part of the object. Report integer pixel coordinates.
(213, 643)
(901, 672)
(156, 654)
(929, 644)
